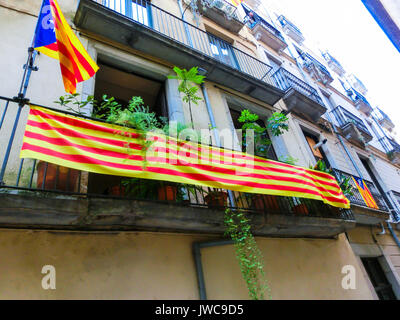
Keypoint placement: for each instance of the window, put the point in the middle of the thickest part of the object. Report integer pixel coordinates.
(378, 278)
(270, 152)
(222, 51)
(317, 152)
(135, 9)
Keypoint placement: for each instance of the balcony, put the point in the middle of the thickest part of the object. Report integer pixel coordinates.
(153, 31)
(384, 120)
(223, 13)
(334, 64)
(394, 153)
(299, 97)
(362, 213)
(39, 195)
(268, 34)
(352, 127)
(291, 30)
(316, 69)
(362, 103)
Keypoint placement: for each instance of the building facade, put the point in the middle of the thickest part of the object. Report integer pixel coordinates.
(103, 245)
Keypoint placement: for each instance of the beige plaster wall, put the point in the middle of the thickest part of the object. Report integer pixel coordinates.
(160, 266)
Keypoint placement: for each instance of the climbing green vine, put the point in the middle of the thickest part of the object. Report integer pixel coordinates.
(247, 253)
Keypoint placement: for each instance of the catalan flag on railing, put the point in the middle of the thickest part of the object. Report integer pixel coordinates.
(236, 2)
(55, 38)
(365, 193)
(94, 146)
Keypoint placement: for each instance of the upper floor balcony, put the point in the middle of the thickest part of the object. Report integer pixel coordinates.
(334, 64)
(160, 34)
(38, 194)
(300, 97)
(394, 153)
(362, 103)
(291, 30)
(363, 213)
(384, 120)
(221, 12)
(264, 31)
(352, 127)
(267, 33)
(316, 69)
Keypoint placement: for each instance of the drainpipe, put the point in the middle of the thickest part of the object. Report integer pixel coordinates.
(184, 24)
(396, 239)
(197, 246)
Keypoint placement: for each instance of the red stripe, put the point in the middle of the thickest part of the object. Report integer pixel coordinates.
(77, 134)
(87, 125)
(243, 156)
(63, 142)
(81, 123)
(99, 151)
(63, 47)
(68, 54)
(190, 176)
(53, 46)
(242, 165)
(66, 73)
(84, 63)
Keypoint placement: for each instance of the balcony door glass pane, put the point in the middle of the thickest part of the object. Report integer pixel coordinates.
(134, 9)
(221, 50)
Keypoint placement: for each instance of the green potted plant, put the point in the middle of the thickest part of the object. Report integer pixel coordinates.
(189, 91)
(216, 199)
(277, 124)
(151, 189)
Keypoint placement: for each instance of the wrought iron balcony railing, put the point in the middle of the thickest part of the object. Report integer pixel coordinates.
(284, 21)
(311, 61)
(344, 117)
(175, 28)
(286, 80)
(357, 198)
(269, 27)
(18, 175)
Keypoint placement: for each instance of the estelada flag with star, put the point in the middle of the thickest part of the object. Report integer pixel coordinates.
(55, 38)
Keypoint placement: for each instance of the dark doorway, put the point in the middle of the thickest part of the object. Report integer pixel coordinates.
(382, 286)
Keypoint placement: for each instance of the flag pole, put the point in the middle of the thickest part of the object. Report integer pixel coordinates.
(21, 98)
(29, 66)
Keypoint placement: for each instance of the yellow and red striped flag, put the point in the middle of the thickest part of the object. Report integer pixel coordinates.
(236, 2)
(55, 38)
(94, 146)
(365, 193)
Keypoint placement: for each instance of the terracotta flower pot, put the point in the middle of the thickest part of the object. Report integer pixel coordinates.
(167, 193)
(57, 177)
(263, 202)
(217, 199)
(301, 209)
(117, 190)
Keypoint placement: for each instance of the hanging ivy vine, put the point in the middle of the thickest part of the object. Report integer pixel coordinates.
(248, 254)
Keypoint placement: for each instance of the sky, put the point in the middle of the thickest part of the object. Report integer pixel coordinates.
(348, 31)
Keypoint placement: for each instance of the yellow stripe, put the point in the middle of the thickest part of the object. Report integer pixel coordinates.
(180, 167)
(50, 53)
(75, 41)
(161, 176)
(177, 156)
